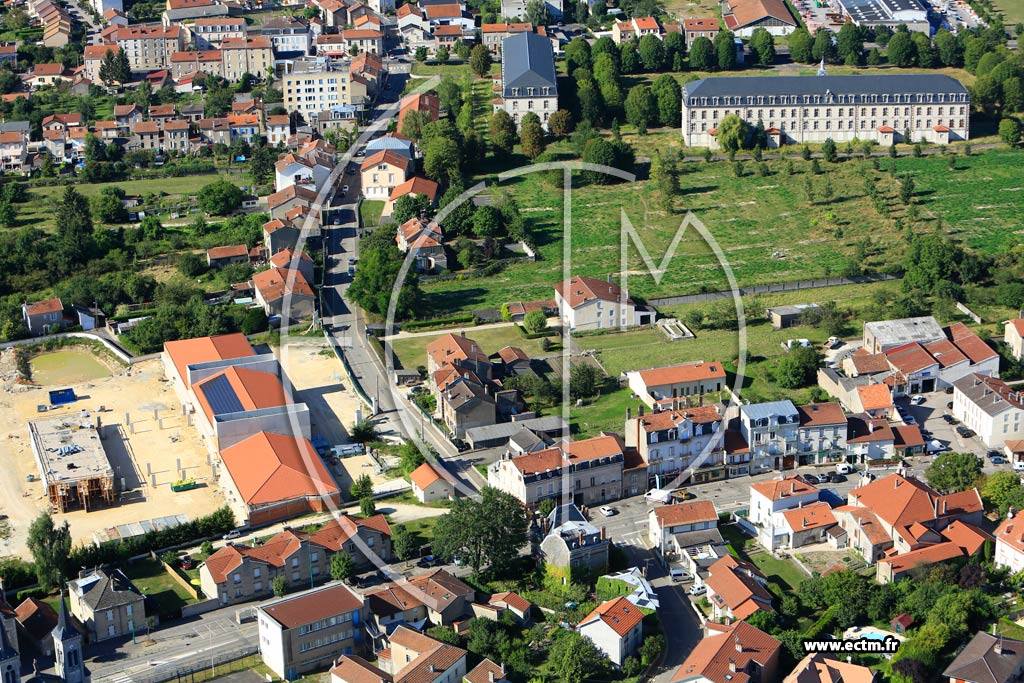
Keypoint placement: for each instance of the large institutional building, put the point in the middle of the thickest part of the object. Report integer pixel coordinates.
(528, 81)
(798, 109)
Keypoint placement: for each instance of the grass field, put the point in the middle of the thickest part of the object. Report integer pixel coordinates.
(1012, 10)
(370, 211)
(38, 211)
(150, 578)
(752, 218)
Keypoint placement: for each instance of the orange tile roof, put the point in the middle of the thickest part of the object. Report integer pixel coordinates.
(695, 371)
(224, 561)
(817, 414)
(874, 397)
(945, 352)
(37, 618)
(686, 513)
(813, 516)
(355, 669)
(285, 257)
(1018, 325)
(968, 537)
(603, 446)
(907, 436)
(579, 290)
(438, 589)
(229, 251)
(1011, 532)
(861, 428)
(361, 34)
(619, 614)
(306, 608)
(333, 534)
(289, 193)
(254, 390)
(423, 476)
(425, 104)
(513, 600)
(823, 668)
(386, 156)
(206, 349)
(909, 358)
(868, 523)
(735, 586)
(900, 501)
(647, 23)
(746, 12)
(277, 283)
(44, 306)
(49, 69)
(702, 24)
(940, 552)
(486, 672)
(450, 11)
(777, 489)
(448, 31)
(407, 9)
(415, 185)
(969, 343)
(725, 648)
(452, 348)
(270, 468)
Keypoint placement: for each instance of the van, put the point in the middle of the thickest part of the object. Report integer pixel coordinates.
(844, 468)
(658, 496)
(698, 589)
(679, 574)
(1018, 466)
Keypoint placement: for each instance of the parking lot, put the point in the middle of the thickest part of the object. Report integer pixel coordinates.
(929, 415)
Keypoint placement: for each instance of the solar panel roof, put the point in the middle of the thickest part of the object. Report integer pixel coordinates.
(221, 395)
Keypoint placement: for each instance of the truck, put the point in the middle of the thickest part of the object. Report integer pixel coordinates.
(658, 496)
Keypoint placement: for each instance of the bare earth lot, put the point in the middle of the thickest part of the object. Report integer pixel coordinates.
(141, 426)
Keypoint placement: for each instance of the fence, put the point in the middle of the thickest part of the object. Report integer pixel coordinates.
(204, 668)
(773, 289)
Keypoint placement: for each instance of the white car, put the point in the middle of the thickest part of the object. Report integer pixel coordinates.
(234, 533)
(696, 589)
(917, 399)
(344, 189)
(607, 510)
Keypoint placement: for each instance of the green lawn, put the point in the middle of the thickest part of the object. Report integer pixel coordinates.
(767, 228)
(412, 350)
(370, 211)
(1012, 10)
(778, 571)
(164, 592)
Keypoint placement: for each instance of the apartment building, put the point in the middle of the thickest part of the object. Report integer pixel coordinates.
(990, 407)
(209, 32)
(769, 500)
(772, 432)
(799, 109)
(664, 386)
(312, 88)
(528, 81)
(197, 61)
(587, 472)
(822, 433)
(246, 55)
(108, 605)
(289, 35)
(310, 630)
(149, 46)
(671, 441)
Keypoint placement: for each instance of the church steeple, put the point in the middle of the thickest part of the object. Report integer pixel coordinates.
(67, 647)
(10, 661)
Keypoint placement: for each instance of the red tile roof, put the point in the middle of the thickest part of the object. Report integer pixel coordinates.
(270, 468)
(307, 608)
(386, 156)
(277, 283)
(423, 476)
(230, 251)
(45, 306)
(686, 513)
(619, 614)
(930, 554)
(513, 600)
(875, 397)
(333, 534)
(701, 24)
(813, 516)
(579, 290)
(817, 414)
(725, 648)
(968, 537)
(777, 489)
(734, 585)
(695, 371)
(969, 343)
(746, 12)
(254, 390)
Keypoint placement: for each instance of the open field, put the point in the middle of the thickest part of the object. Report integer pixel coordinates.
(1012, 11)
(141, 425)
(766, 227)
(38, 210)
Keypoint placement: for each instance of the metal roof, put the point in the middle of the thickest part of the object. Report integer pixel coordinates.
(881, 10)
(895, 84)
(547, 423)
(756, 411)
(527, 61)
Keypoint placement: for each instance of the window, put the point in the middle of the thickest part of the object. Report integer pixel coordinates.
(110, 615)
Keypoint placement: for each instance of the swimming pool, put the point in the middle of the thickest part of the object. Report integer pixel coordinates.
(873, 635)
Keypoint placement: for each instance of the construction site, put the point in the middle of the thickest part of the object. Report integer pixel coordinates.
(73, 465)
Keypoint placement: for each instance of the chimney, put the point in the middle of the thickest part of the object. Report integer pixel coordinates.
(895, 482)
(603, 533)
(792, 486)
(430, 668)
(943, 507)
(463, 334)
(490, 676)
(998, 649)
(732, 665)
(739, 645)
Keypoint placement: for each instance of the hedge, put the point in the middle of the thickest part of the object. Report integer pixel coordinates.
(550, 332)
(823, 623)
(464, 319)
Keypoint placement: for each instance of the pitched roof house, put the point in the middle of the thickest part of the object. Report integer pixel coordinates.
(736, 589)
(736, 653)
(615, 627)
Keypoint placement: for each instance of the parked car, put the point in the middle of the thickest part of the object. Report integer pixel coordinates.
(917, 399)
(999, 460)
(844, 468)
(698, 589)
(965, 432)
(949, 406)
(186, 562)
(990, 454)
(608, 510)
(950, 420)
(679, 574)
(234, 533)
(836, 478)
(909, 420)
(428, 561)
(1018, 466)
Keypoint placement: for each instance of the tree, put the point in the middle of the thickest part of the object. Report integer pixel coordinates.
(421, 54)
(261, 163)
(1001, 491)
(952, 472)
(367, 508)
(668, 95)
(733, 133)
(537, 13)
(560, 123)
(531, 136)
(602, 153)
(574, 658)
(949, 49)
(901, 50)
(702, 54)
(450, 95)
(828, 151)
(191, 264)
(442, 160)
(535, 321)
(849, 42)
(279, 586)
(107, 206)
(361, 487)
(50, 547)
(487, 221)
(483, 532)
(800, 46)
(480, 60)
(584, 380)
(75, 240)
(503, 132)
(342, 566)
(823, 47)
(1013, 94)
(762, 44)
(403, 542)
(220, 197)
(797, 368)
(641, 106)
(363, 432)
(675, 51)
(546, 507)
(1009, 130)
(725, 50)
(442, 54)
(652, 52)
(577, 54)
(874, 57)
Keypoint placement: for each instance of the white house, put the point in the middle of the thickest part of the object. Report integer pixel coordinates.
(1010, 544)
(736, 589)
(615, 628)
(429, 485)
(585, 303)
(990, 407)
(772, 431)
(683, 380)
(667, 520)
(769, 499)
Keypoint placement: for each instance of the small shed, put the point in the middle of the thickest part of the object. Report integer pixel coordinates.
(900, 624)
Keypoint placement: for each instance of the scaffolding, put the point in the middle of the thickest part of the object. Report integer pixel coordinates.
(72, 462)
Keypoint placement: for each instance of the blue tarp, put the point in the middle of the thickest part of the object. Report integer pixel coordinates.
(61, 397)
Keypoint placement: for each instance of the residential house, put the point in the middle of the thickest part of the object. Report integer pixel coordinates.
(743, 17)
(238, 573)
(128, 114)
(1013, 335)
(43, 317)
(665, 385)
(287, 259)
(1010, 544)
(391, 606)
(415, 187)
(36, 620)
(209, 32)
(989, 407)
(869, 440)
(807, 525)
(195, 61)
(673, 441)
(585, 303)
(780, 317)
(429, 106)
(176, 136)
(13, 152)
(464, 403)
(819, 667)
(383, 172)
(280, 234)
(291, 197)
(285, 293)
(516, 9)
(425, 237)
(772, 431)
(874, 400)
(768, 501)
(278, 129)
(47, 74)
(700, 27)
(446, 598)
(528, 82)
(666, 521)
(987, 658)
(615, 627)
(586, 472)
(364, 539)
(520, 607)
(573, 548)
(493, 35)
(731, 652)
(448, 14)
(907, 441)
(254, 55)
(737, 589)
(107, 604)
(363, 40)
(310, 630)
(218, 257)
(429, 484)
(411, 658)
(245, 127)
(215, 131)
(311, 170)
(822, 434)
(276, 477)
(149, 46)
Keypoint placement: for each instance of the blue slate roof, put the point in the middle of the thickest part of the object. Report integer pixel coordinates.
(527, 61)
(756, 411)
(895, 84)
(390, 143)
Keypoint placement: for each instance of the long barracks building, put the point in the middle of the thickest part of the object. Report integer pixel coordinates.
(798, 109)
